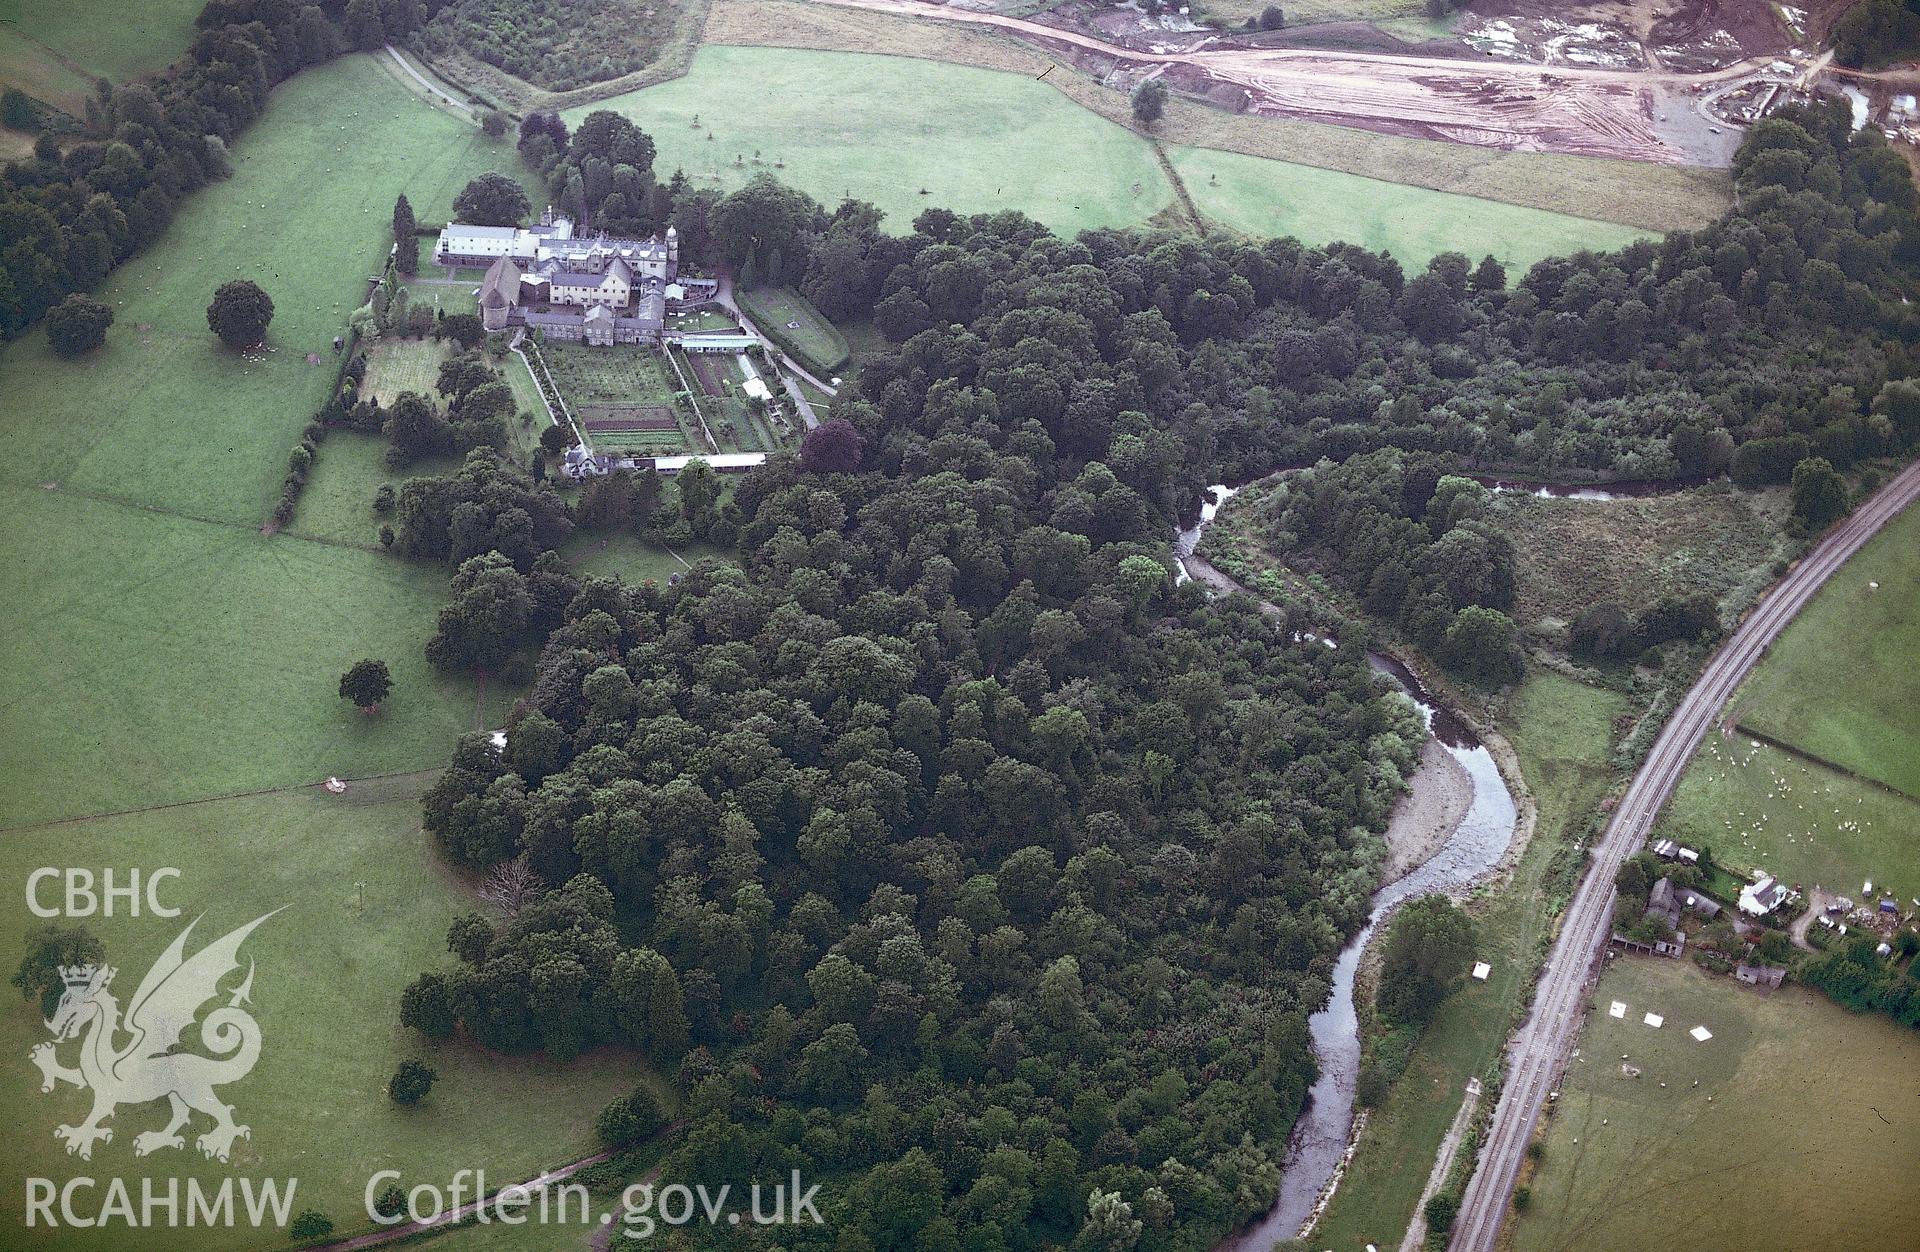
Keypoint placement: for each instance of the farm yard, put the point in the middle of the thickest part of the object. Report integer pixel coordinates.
(1794, 1126)
(1762, 808)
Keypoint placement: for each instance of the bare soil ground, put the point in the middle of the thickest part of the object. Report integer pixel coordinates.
(1600, 107)
(1655, 197)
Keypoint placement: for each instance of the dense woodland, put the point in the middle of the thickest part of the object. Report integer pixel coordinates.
(940, 846)
(943, 847)
(555, 44)
(1874, 33)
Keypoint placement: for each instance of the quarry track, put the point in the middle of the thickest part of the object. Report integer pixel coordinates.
(1511, 105)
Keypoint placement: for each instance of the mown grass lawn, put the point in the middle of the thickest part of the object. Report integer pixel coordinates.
(886, 129)
(1562, 731)
(1795, 1126)
(1841, 682)
(1262, 197)
(395, 365)
(786, 314)
(1760, 808)
(367, 903)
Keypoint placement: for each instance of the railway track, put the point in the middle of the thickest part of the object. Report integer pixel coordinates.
(1539, 1049)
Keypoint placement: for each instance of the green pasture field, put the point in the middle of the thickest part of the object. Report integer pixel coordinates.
(1841, 682)
(1571, 554)
(157, 658)
(1801, 1131)
(367, 904)
(1561, 731)
(888, 129)
(1258, 196)
(1758, 807)
(884, 128)
(165, 650)
(42, 74)
(130, 38)
(165, 414)
(1655, 197)
(396, 365)
(821, 348)
(337, 505)
(170, 693)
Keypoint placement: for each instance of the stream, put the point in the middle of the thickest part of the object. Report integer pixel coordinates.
(1319, 1139)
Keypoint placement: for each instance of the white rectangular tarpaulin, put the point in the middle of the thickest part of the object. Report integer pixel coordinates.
(1654, 1020)
(1481, 969)
(1617, 1009)
(1701, 1033)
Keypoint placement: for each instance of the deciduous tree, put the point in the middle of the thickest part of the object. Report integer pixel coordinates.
(78, 324)
(366, 683)
(240, 313)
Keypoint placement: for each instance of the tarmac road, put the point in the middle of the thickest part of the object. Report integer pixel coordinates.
(1538, 1050)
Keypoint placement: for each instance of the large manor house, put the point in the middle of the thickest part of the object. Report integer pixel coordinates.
(594, 289)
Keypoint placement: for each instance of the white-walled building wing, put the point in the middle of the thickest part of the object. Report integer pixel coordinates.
(476, 243)
(717, 342)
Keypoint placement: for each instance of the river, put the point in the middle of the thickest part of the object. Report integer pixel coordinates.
(1320, 1137)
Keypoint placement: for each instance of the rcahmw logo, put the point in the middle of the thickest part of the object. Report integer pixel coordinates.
(152, 1064)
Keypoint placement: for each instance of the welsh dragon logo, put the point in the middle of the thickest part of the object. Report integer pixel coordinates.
(149, 1066)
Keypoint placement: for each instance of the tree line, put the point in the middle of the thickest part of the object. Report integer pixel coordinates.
(67, 219)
